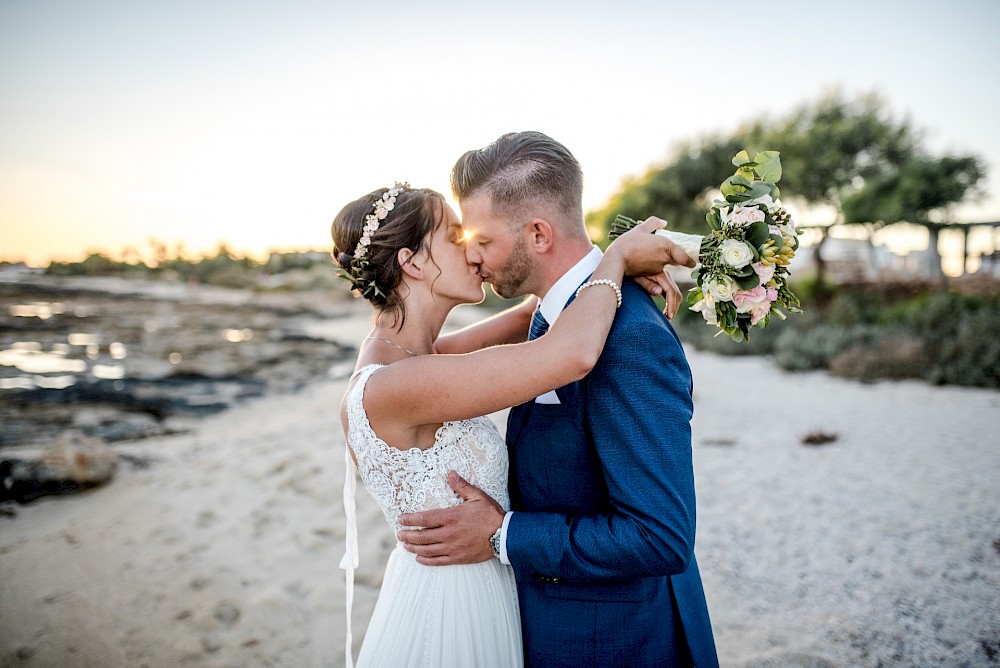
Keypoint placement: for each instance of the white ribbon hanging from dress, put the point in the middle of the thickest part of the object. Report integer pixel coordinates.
(350, 559)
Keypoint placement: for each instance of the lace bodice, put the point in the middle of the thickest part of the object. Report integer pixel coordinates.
(406, 481)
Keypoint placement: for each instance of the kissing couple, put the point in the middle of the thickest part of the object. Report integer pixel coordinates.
(572, 543)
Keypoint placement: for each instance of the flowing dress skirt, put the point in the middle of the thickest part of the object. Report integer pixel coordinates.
(464, 616)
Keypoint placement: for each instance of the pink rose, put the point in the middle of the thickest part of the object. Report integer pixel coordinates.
(759, 312)
(746, 215)
(764, 271)
(749, 297)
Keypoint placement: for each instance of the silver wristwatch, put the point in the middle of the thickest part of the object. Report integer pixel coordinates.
(495, 542)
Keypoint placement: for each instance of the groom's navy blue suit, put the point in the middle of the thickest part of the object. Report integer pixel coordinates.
(602, 488)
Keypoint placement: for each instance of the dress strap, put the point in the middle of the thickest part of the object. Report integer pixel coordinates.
(350, 560)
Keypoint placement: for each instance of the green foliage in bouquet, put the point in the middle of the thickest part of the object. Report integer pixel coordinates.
(742, 275)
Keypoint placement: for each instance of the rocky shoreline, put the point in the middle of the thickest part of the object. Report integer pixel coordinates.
(124, 360)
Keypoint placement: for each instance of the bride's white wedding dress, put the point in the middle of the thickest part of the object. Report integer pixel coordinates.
(464, 615)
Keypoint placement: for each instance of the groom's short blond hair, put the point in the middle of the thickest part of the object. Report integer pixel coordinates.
(520, 171)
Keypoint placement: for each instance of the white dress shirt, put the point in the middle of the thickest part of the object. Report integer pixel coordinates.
(552, 305)
(555, 299)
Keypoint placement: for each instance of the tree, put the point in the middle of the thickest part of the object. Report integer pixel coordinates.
(829, 150)
(914, 193)
(678, 192)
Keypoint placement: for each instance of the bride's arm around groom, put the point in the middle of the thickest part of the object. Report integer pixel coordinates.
(602, 533)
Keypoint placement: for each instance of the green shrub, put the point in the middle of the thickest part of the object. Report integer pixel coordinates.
(876, 331)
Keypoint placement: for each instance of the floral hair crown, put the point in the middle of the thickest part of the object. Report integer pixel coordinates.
(381, 208)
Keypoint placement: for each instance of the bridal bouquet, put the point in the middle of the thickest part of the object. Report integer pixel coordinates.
(742, 272)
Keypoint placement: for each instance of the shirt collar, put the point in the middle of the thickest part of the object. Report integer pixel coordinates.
(555, 299)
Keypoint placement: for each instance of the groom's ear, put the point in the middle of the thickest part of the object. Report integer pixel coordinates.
(540, 235)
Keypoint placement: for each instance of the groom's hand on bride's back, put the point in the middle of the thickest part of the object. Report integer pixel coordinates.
(457, 535)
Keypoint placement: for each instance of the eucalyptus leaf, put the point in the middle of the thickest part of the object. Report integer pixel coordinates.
(757, 233)
(758, 189)
(768, 166)
(741, 178)
(740, 158)
(747, 282)
(713, 219)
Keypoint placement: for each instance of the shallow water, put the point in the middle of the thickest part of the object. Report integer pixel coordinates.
(154, 353)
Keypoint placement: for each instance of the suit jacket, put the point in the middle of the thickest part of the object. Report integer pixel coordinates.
(602, 488)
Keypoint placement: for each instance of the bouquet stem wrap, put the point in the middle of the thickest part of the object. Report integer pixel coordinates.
(689, 243)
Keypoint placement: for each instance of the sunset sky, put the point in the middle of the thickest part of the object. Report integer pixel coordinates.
(251, 123)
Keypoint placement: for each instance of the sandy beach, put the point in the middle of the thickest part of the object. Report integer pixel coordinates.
(220, 546)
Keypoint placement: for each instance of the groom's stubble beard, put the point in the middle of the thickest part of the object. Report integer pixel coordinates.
(508, 281)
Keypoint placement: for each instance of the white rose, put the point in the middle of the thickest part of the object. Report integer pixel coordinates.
(766, 200)
(724, 216)
(735, 253)
(706, 307)
(721, 288)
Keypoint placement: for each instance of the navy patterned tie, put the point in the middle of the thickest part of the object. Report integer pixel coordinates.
(538, 325)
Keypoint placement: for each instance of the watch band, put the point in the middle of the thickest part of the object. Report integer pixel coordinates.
(495, 542)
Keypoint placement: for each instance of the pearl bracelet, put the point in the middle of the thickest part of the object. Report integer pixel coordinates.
(602, 281)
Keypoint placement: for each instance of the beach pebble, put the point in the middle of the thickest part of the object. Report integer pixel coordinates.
(227, 613)
(210, 644)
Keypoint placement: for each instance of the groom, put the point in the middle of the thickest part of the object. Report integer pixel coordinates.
(601, 537)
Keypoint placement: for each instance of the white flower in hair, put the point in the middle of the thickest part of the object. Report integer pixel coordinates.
(382, 206)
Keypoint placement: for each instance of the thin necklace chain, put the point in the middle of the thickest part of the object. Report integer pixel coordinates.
(378, 338)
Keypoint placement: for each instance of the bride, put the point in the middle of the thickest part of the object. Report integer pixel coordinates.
(413, 410)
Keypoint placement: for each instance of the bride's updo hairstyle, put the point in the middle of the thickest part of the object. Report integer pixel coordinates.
(373, 267)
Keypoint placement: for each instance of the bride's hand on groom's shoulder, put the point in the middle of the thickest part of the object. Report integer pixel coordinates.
(646, 254)
(457, 535)
(662, 285)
